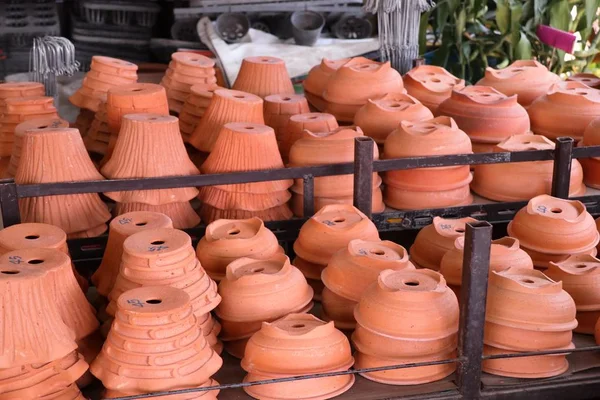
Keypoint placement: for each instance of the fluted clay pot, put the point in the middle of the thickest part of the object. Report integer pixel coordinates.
(522, 180)
(278, 213)
(263, 76)
(98, 135)
(380, 116)
(298, 344)
(181, 214)
(297, 124)
(20, 89)
(427, 187)
(279, 108)
(541, 261)
(204, 395)
(58, 155)
(566, 110)
(528, 79)
(317, 78)
(84, 121)
(533, 367)
(431, 85)
(297, 202)
(590, 80)
(121, 228)
(434, 240)
(591, 166)
(194, 108)
(227, 240)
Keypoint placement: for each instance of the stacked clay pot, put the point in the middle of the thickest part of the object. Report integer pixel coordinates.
(98, 134)
(322, 148)
(324, 234)
(257, 291)
(434, 240)
(486, 115)
(580, 277)
(350, 272)
(245, 147)
(20, 89)
(226, 106)
(546, 323)
(297, 124)
(590, 80)
(194, 107)
(160, 151)
(316, 81)
(352, 85)
(278, 108)
(263, 76)
(521, 181)
(528, 79)
(427, 187)
(227, 240)
(298, 344)
(186, 70)
(550, 229)
(59, 155)
(591, 166)
(380, 116)
(406, 316)
(431, 85)
(155, 344)
(566, 110)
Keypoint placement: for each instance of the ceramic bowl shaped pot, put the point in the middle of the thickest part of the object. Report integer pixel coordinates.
(316, 81)
(431, 85)
(590, 80)
(525, 367)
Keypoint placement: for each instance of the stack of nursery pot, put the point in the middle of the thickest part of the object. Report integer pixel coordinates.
(522, 180)
(528, 79)
(278, 108)
(160, 151)
(38, 356)
(590, 80)
(194, 108)
(58, 155)
(155, 344)
(264, 76)
(580, 277)
(427, 187)
(255, 291)
(98, 134)
(486, 115)
(245, 147)
(566, 110)
(297, 344)
(324, 234)
(551, 229)
(350, 272)
(186, 70)
(431, 85)
(18, 89)
(297, 124)
(591, 166)
(316, 81)
(406, 316)
(227, 240)
(546, 323)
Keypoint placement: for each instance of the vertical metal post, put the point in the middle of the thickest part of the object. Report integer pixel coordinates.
(9, 203)
(561, 176)
(476, 264)
(363, 174)
(418, 62)
(308, 186)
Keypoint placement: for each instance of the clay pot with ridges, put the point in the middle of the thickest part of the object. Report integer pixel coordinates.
(98, 136)
(194, 108)
(317, 78)
(263, 76)
(431, 85)
(181, 214)
(224, 200)
(278, 108)
(20, 89)
(297, 202)
(297, 124)
(590, 80)
(84, 120)
(186, 70)
(205, 395)
(525, 367)
(279, 213)
(541, 261)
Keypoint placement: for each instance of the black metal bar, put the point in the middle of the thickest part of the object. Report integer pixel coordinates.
(540, 353)
(586, 151)
(308, 191)
(561, 176)
(9, 203)
(363, 174)
(476, 263)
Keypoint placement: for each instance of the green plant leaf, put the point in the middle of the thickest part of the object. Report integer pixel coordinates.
(523, 48)
(442, 15)
(516, 10)
(461, 21)
(538, 10)
(591, 8)
(503, 16)
(423, 32)
(560, 15)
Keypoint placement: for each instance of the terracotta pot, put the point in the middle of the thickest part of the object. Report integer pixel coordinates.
(121, 228)
(554, 226)
(591, 166)
(541, 261)
(84, 121)
(182, 214)
(590, 80)
(485, 114)
(528, 79)
(155, 323)
(431, 85)
(279, 213)
(297, 202)
(316, 81)
(20, 89)
(228, 240)
(297, 124)
(206, 395)
(225, 200)
(354, 83)
(263, 76)
(525, 367)
(194, 108)
(59, 155)
(576, 102)
(278, 108)
(522, 180)
(227, 106)
(98, 136)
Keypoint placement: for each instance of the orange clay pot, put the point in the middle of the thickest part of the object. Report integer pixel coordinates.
(541, 261)
(20, 89)
(226, 106)
(485, 114)
(279, 213)
(591, 166)
(431, 85)
(298, 344)
(263, 76)
(566, 110)
(380, 116)
(206, 395)
(597, 332)
(316, 81)
(590, 80)
(225, 200)
(297, 124)
(547, 321)
(434, 240)
(227, 240)
(525, 367)
(357, 81)
(427, 187)
(297, 202)
(121, 228)
(155, 323)
(580, 277)
(181, 214)
(528, 79)
(554, 226)
(278, 108)
(194, 108)
(522, 180)
(84, 121)
(98, 135)
(59, 155)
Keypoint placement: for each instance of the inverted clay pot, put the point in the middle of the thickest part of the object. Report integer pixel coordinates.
(181, 214)
(590, 80)
(533, 367)
(316, 81)
(194, 108)
(541, 261)
(522, 181)
(98, 135)
(279, 213)
(278, 108)
(431, 85)
(84, 121)
(20, 89)
(205, 395)
(297, 124)
(263, 76)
